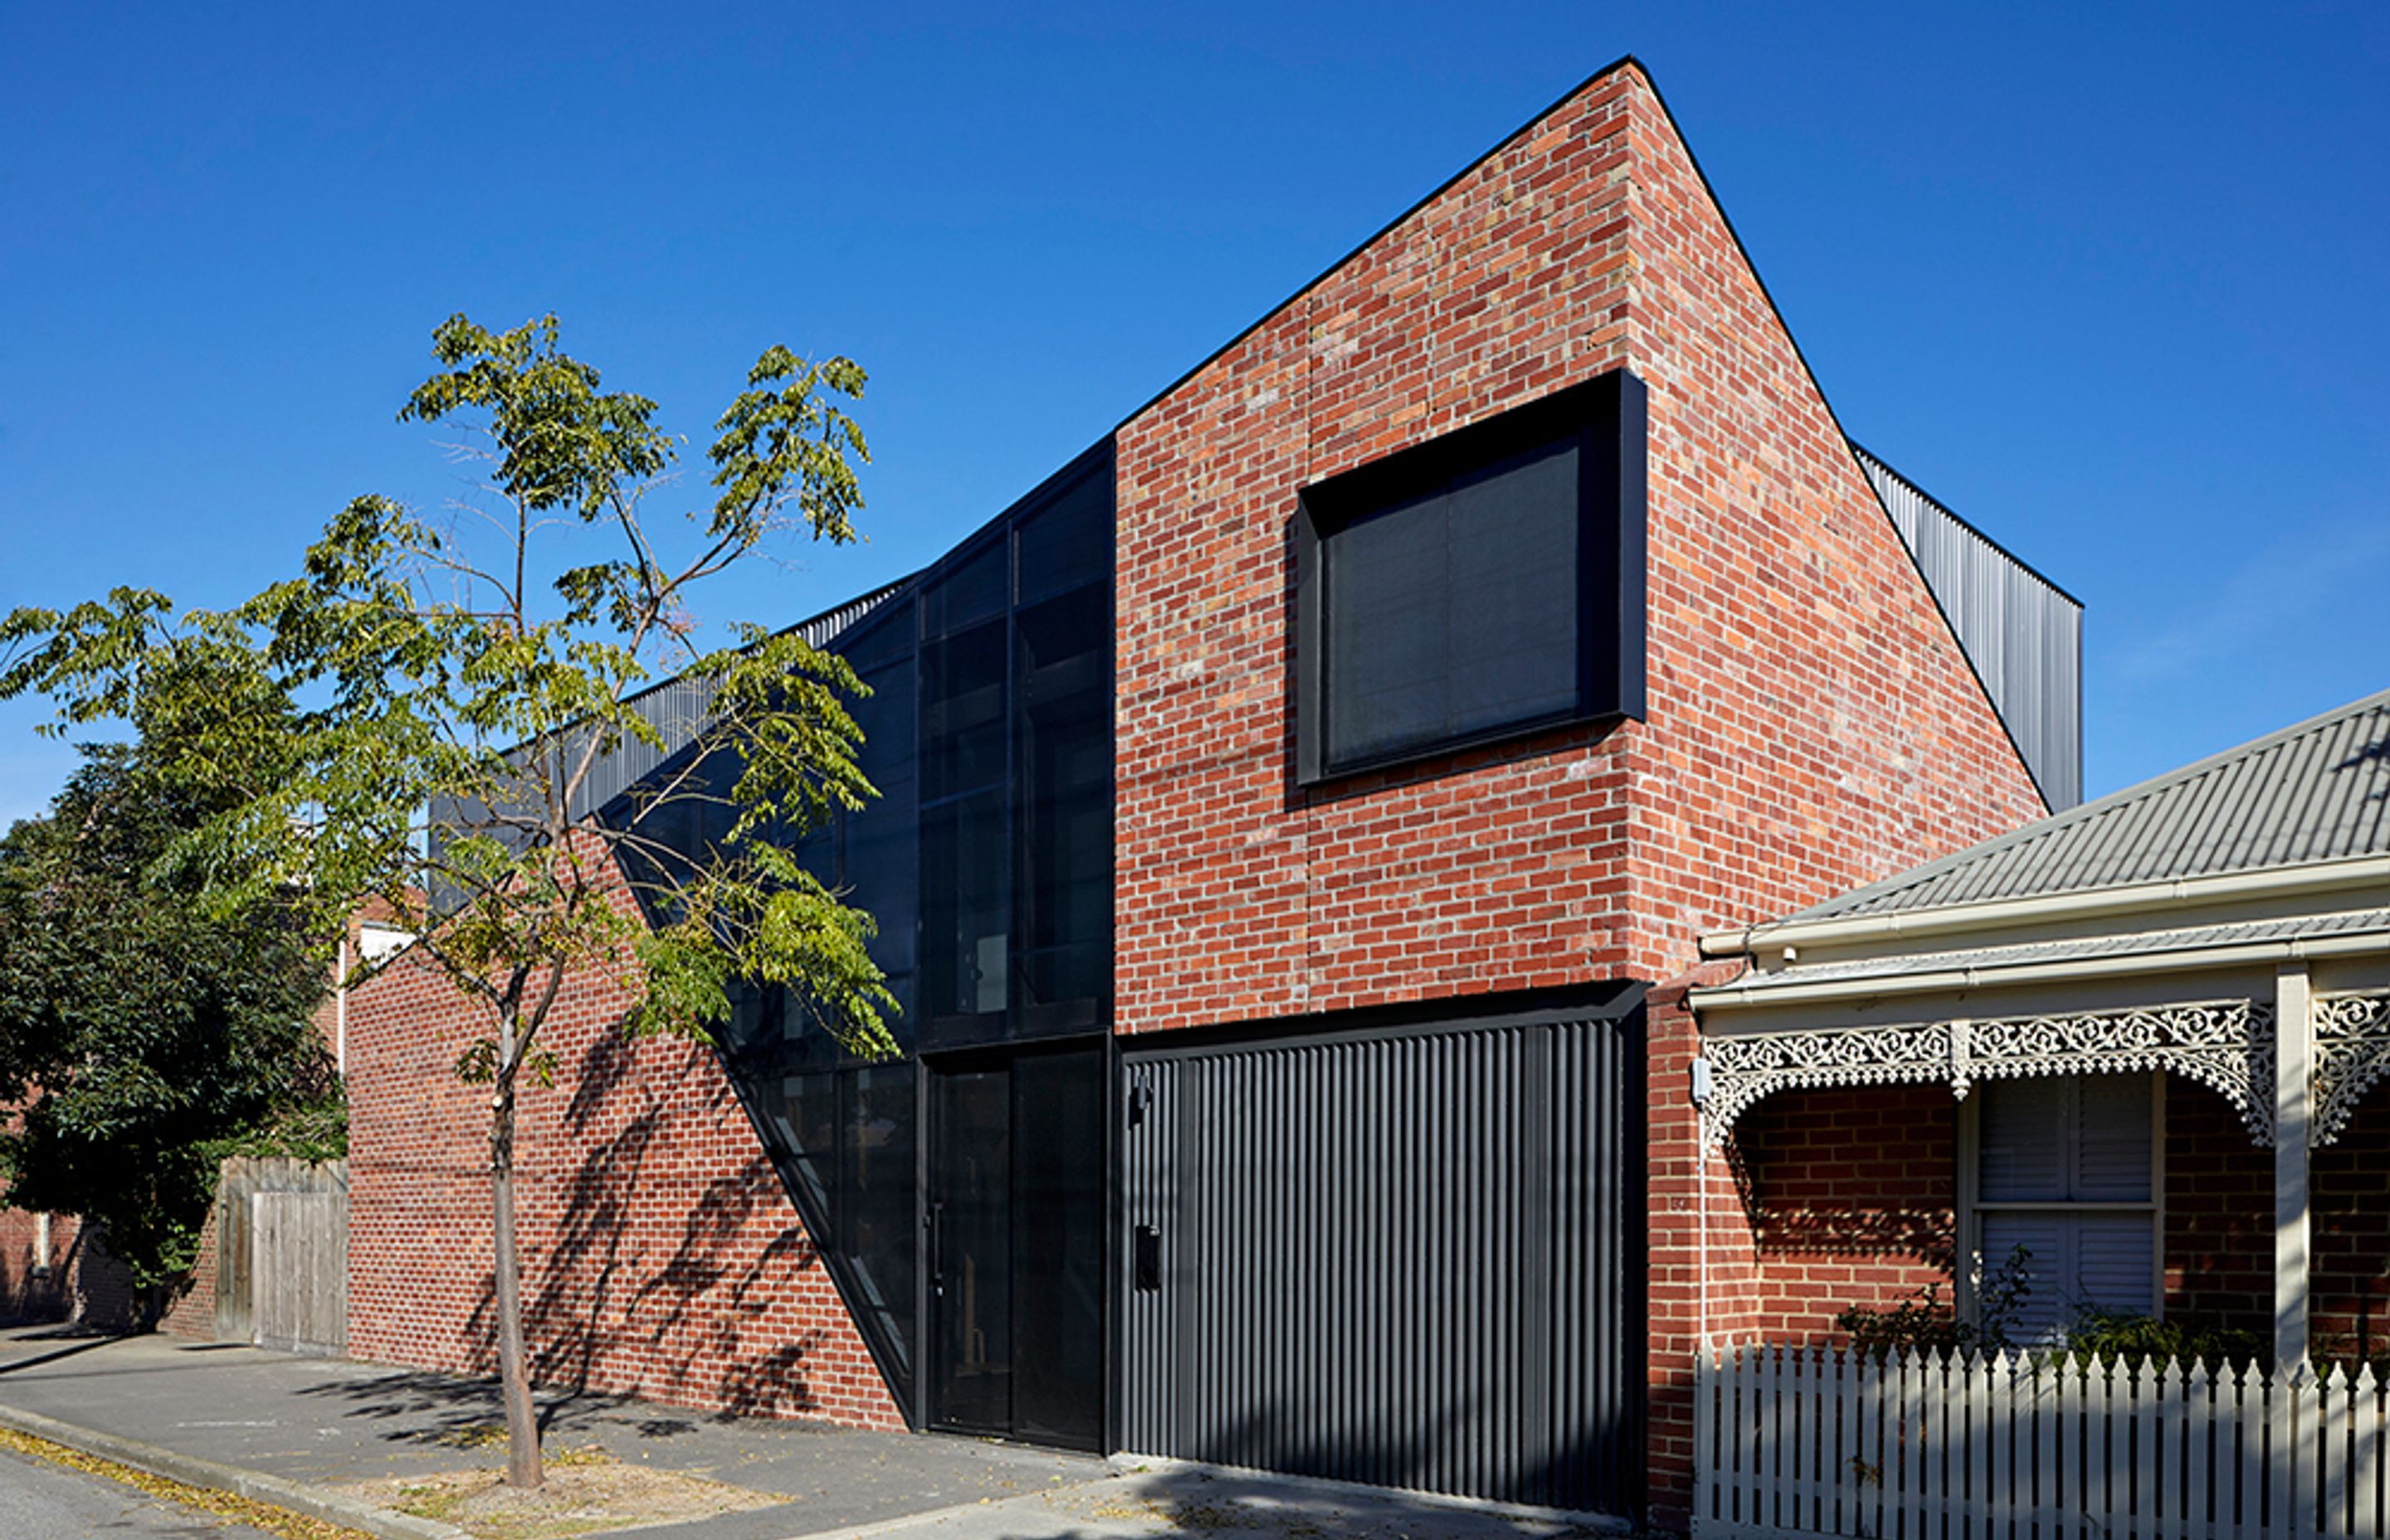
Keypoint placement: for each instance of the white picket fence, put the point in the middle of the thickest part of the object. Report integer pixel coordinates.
(2033, 1446)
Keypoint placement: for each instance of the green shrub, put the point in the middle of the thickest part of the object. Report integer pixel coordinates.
(2125, 1337)
(1919, 1320)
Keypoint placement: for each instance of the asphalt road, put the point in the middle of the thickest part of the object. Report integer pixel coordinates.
(41, 1501)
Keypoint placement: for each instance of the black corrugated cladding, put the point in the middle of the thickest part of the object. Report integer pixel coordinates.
(1410, 1257)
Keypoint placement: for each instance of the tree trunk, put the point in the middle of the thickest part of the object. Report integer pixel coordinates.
(514, 1372)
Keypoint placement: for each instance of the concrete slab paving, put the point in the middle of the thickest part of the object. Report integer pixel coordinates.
(329, 1422)
(1159, 1502)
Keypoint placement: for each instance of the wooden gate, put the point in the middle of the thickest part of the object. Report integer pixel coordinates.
(282, 1254)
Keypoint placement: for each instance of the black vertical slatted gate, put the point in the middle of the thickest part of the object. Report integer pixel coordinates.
(1407, 1258)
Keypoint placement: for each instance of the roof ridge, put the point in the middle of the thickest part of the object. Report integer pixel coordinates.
(2138, 793)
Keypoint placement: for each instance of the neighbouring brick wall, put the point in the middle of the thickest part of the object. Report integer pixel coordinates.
(2219, 1204)
(2220, 1212)
(84, 1285)
(2349, 1191)
(29, 1292)
(1851, 1197)
(662, 1256)
(191, 1314)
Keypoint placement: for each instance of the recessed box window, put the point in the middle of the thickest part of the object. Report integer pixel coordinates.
(1487, 584)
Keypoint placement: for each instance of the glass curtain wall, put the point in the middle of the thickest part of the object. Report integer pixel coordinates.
(985, 862)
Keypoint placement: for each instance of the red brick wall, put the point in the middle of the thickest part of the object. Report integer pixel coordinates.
(662, 1256)
(84, 1285)
(1813, 724)
(2220, 1224)
(1851, 1198)
(1237, 897)
(28, 1291)
(2220, 1212)
(2349, 1186)
(191, 1314)
(1822, 1200)
(1682, 1187)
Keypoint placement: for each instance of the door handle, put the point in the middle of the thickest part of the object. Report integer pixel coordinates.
(936, 1222)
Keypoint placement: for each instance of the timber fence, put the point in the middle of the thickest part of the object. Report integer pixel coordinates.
(2036, 1445)
(282, 1254)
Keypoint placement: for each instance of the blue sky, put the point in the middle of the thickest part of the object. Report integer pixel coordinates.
(2105, 279)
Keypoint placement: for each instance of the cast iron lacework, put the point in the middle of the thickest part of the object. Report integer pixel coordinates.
(2227, 1045)
(2352, 1052)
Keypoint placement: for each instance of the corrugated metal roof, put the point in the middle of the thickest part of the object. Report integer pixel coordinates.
(2316, 791)
(2022, 633)
(680, 709)
(1990, 959)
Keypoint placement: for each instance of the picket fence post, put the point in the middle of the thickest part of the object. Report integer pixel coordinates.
(1794, 1439)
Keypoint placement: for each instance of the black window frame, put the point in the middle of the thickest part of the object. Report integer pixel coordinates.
(1607, 417)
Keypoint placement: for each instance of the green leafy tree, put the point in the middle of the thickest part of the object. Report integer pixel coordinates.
(141, 1033)
(461, 681)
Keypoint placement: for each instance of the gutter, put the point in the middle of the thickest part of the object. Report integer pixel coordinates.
(1740, 997)
(2328, 877)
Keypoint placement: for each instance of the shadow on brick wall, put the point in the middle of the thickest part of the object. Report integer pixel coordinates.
(600, 1315)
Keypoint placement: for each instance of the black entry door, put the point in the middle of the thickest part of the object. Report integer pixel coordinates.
(1016, 1234)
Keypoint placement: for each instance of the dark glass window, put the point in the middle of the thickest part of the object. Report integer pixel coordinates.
(1058, 1222)
(1062, 722)
(1487, 584)
(966, 912)
(875, 1211)
(1068, 542)
(674, 818)
(808, 1122)
(843, 1140)
(879, 866)
(970, 585)
(1456, 613)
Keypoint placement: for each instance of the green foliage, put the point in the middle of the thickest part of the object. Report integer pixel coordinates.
(458, 693)
(313, 1127)
(2113, 1335)
(1919, 1321)
(460, 681)
(140, 1031)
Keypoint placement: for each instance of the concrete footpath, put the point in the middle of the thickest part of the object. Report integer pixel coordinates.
(283, 1429)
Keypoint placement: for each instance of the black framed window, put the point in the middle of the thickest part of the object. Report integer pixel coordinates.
(1487, 584)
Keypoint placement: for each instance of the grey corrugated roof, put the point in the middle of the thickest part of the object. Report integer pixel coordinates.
(2318, 791)
(1990, 959)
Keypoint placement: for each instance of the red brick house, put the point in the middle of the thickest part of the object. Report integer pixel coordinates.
(1301, 815)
